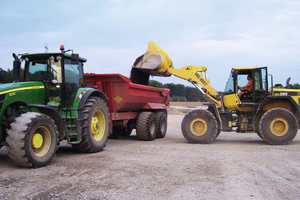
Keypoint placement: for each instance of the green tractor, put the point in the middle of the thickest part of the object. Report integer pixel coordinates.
(47, 102)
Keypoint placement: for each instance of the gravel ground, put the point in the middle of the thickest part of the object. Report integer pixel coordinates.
(234, 166)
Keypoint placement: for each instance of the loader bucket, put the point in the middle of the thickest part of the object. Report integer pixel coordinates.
(154, 62)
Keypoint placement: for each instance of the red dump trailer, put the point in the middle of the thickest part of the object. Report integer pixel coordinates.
(133, 106)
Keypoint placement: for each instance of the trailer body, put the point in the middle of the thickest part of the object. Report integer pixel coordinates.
(127, 100)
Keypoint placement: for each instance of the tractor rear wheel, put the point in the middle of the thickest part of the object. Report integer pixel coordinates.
(146, 126)
(199, 126)
(278, 126)
(32, 140)
(161, 124)
(95, 129)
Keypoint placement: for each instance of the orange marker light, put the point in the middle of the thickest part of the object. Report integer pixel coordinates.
(62, 47)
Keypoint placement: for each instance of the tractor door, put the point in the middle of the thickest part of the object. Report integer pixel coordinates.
(73, 80)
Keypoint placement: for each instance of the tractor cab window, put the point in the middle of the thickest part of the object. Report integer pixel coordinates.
(45, 70)
(49, 71)
(73, 80)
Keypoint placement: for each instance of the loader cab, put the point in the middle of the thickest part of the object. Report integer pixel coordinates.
(238, 77)
(61, 73)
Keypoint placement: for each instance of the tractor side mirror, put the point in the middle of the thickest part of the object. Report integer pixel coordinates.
(74, 58)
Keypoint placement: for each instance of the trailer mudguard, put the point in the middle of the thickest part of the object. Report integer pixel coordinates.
(51, 112)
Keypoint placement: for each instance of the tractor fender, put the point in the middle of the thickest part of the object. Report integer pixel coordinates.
(87, 94)
(51, 112)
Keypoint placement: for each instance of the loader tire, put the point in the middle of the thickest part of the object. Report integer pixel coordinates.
(199, 126)
(146, 126)
(32, 140)
(161, 124)
(278, 126)
(95, 128)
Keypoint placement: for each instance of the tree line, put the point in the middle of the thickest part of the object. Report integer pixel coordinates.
(179, 92)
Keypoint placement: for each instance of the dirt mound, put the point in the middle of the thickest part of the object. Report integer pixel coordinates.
(174, 111)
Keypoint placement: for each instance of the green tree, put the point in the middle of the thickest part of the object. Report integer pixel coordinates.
(154, 83)
(295, 86)
(193, 94)
(176, 89)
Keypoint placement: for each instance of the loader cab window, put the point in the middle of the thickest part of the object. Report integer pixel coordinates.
(260, 83)
(229, 89)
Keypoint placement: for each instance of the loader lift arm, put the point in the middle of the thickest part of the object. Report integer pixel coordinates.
(156, 62)
(197, 76)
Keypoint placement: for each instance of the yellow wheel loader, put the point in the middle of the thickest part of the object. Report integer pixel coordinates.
(272, 113)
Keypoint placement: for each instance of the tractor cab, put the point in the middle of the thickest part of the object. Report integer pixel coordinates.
(61, 73)
(238, 79)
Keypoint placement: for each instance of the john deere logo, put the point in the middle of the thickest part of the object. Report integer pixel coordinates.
(118, 99)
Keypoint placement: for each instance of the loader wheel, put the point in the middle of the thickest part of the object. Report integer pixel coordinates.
(146, 126)
(199, 126)
(278, 126)
(32, 140)
(161, 124)
(95, 128)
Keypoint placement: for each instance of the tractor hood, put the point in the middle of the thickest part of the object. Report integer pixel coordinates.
(20, 87)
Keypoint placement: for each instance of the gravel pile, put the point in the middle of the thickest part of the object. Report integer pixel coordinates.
(174, 111)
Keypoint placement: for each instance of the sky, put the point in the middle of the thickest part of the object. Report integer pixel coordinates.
(111, 34)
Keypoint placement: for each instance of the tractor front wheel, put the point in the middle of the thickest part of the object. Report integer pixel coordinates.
(199, 126)
(278, 126)
(32, 140)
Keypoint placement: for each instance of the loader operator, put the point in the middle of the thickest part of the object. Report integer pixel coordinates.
(247, 88)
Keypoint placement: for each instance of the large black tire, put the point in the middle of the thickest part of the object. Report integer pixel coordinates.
(146, 126)
(162, 124)
(32, 140)
(95, 129)
(199, 126)
(278, 126)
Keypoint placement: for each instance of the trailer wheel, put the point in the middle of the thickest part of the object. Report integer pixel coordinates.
(32, 140)
(161, 124)
(199, 126)
(146, 126)
(278, 126)
(95, 129)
